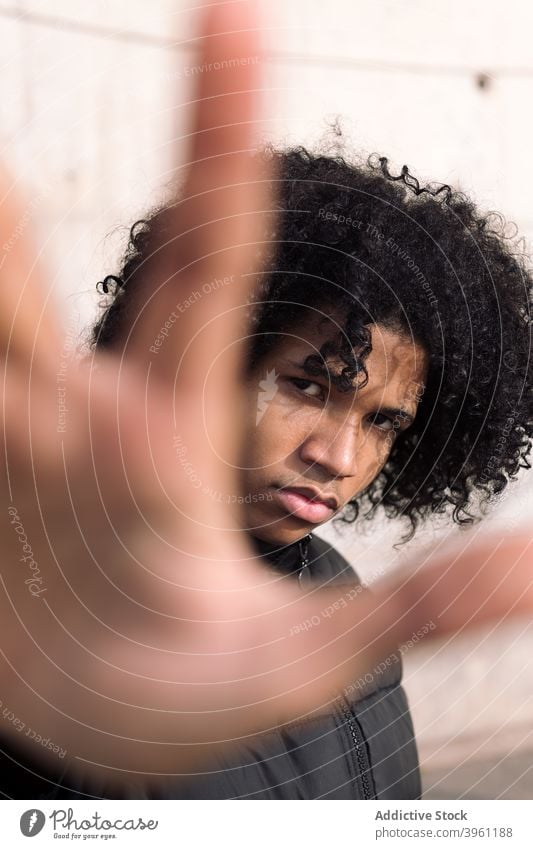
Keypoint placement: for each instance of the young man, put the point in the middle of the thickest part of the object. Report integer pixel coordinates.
(388, 369)
(377, 377)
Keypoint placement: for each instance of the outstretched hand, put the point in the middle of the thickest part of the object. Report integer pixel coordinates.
(138, 630)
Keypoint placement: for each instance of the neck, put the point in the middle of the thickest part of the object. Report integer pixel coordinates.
(287, 557)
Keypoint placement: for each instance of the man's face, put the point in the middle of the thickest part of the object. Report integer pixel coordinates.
(309, 447)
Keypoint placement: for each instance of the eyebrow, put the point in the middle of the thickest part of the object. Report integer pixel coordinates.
(407, 418)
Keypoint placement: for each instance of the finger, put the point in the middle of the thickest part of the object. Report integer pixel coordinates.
(471, 583)
(468, 585)
(209, 239)
(27, 328)
(346, 634)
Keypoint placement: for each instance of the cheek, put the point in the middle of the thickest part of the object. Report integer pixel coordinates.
(372, 454)
(281, 429)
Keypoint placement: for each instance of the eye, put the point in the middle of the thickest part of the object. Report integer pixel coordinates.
(382, 421)
(308, 387)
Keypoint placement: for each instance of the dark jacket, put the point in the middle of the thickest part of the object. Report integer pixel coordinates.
(362, 748)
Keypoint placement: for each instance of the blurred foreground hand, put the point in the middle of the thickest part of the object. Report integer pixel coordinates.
(138, 631)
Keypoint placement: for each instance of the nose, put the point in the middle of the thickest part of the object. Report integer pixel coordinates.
(333, 448)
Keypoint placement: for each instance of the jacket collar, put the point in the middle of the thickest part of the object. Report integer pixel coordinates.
(287, 558)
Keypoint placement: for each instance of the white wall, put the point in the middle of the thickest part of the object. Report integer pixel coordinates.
(87, 90)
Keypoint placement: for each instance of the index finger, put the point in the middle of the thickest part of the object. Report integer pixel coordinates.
(28, 329)
(213, 230)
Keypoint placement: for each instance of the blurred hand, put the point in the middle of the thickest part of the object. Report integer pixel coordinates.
(138, 630)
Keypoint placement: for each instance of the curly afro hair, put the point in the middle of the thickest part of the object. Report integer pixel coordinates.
(422, 260)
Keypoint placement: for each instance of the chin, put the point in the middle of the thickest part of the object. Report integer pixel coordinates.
(281, 531)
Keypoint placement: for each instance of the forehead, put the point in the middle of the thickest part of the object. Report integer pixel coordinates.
(397, 363)
(395, 359)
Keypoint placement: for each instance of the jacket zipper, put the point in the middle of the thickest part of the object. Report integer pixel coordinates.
(304, 573)
(359, 748)
(356, 734)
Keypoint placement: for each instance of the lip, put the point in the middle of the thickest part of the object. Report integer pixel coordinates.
(306, 503)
